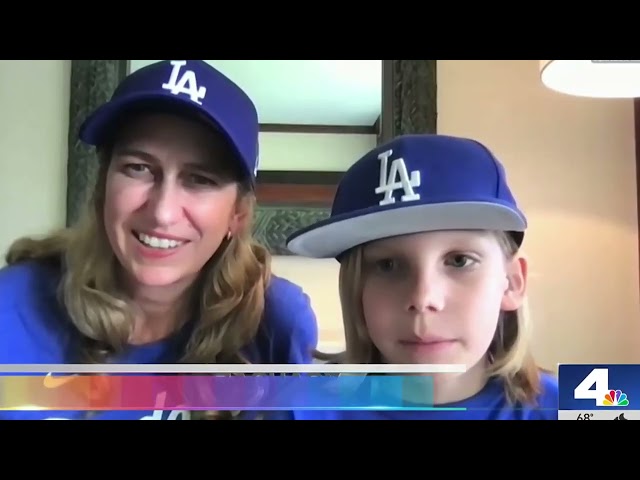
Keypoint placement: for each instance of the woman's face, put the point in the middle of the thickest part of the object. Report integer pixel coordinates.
(169, 199)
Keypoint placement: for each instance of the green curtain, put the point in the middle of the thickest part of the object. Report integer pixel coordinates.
(92, 83)
(410, 98)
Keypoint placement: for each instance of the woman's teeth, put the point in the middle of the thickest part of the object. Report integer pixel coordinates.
(156, 242)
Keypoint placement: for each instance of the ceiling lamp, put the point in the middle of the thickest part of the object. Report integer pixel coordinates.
(592, 78)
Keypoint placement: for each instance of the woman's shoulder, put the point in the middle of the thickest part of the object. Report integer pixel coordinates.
(30, 314)
(287, 304)
(22, 280)
(289, 321)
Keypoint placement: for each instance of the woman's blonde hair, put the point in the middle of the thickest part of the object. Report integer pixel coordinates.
(509, 355)
(228, 297)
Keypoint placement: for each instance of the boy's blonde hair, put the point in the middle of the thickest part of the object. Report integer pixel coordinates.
(228, 297)
(509, 355)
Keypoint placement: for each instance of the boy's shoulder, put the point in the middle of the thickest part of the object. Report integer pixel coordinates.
(548, 401)
(544, 407)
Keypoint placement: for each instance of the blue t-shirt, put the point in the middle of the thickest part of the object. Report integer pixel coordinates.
(35, 329)
(489, 404)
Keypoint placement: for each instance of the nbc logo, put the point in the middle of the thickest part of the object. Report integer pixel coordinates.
(615, 398)
(595, 386)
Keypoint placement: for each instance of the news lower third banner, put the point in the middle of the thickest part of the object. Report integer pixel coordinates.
(98, 392)
(599, 392)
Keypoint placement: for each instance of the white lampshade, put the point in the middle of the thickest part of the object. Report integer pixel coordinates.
(592, 78)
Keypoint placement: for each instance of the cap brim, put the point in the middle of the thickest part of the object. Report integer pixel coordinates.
(331, 237)
(99, 125)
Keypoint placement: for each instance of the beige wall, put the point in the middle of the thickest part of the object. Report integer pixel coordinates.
(312, 151)
(34, 120)
(570, 161)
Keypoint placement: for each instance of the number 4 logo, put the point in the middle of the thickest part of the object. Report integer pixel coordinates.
(599, 377)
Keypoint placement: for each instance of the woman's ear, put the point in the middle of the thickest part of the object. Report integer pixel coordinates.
(514, 295)
(241, 215)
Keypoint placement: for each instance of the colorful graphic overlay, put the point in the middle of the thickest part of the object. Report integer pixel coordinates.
(616, 398)
(215, 392)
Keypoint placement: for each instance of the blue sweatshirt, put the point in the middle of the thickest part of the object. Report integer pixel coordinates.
(35, 329)
(489, 404)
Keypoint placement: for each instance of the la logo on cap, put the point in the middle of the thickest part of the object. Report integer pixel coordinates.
(395, 178)
(184, 81)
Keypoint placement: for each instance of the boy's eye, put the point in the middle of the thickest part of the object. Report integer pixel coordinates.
(385, 264)
(460, 260)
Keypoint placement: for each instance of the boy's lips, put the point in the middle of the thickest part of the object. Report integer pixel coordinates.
(428, 340)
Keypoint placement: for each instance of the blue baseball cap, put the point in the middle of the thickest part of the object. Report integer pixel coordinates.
(414, 183)
(193, 87)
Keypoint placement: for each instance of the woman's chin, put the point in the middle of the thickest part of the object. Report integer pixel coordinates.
(150, 276)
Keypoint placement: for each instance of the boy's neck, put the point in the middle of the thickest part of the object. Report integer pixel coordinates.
(456, 387)
(446, 388)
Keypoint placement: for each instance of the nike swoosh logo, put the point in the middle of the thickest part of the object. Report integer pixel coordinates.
(50, 381)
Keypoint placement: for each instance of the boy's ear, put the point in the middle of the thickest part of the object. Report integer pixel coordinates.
(514, 295)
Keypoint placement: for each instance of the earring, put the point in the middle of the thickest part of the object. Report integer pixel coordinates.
(229, 235)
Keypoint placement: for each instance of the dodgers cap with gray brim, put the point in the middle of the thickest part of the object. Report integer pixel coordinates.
(412, 184)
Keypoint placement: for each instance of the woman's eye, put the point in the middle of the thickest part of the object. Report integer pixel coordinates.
(136, 168)
(201, 180)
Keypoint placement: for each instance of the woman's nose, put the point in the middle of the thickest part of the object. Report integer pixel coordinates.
(165, 204)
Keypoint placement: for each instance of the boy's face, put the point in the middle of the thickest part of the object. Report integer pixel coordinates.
(435, 298)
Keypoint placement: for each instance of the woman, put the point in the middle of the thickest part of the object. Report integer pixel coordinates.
(162, 268)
